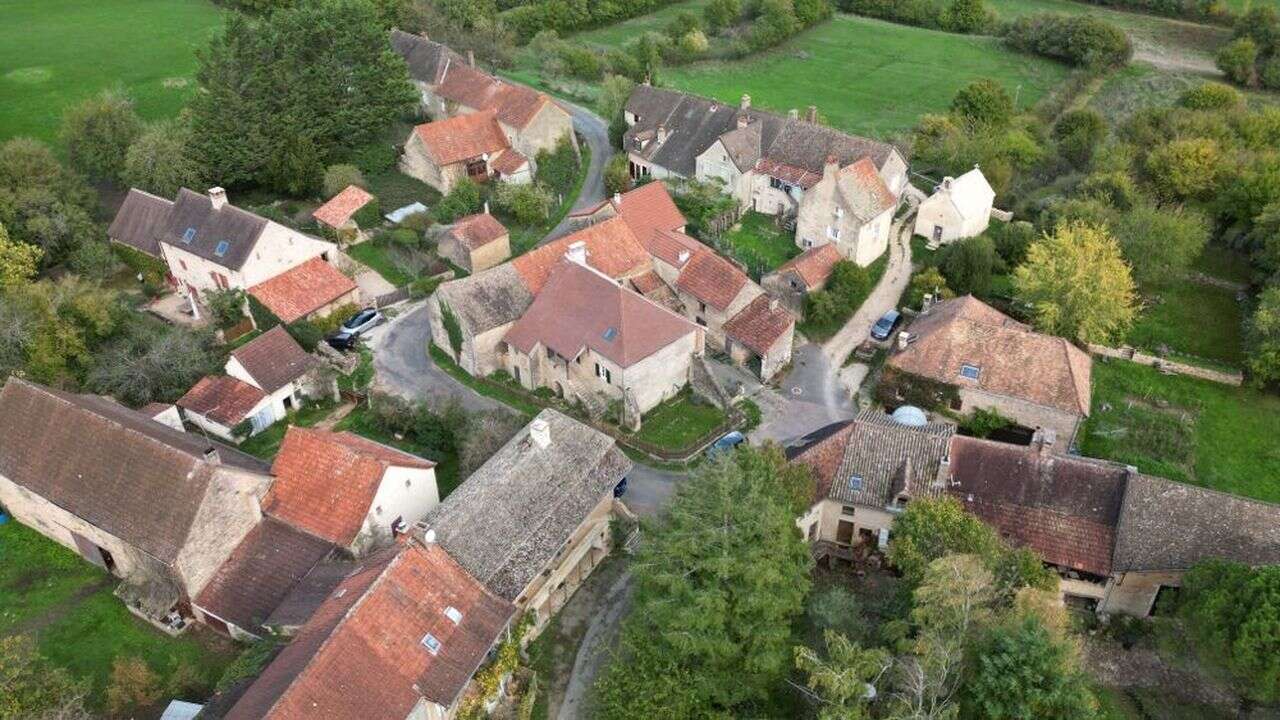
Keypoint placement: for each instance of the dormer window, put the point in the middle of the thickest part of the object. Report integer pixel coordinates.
(430, 642)
(453, 614)
(189, 235)
(970, 372)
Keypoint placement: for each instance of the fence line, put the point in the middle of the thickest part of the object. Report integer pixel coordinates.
(1166, 365)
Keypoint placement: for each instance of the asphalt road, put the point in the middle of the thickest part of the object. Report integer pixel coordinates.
(595, 130)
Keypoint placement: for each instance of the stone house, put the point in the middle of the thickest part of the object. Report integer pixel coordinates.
(475, 242)
(554, 480)
(958, 208)
(586, 336)
(312, 290)
(451, 85)
(348, 490)
(158, 508)
(766, 162)
(965, 354)
(805, 273)
(398, 636)
(217, 404)
(851, 208)
(209, 244)
(339, 213)
(472, 147)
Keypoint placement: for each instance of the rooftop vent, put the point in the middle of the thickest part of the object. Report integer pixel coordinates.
(453, 614)
(577, 252)
(430, 642)
(540, 433)
(610, 334)
(910, 415)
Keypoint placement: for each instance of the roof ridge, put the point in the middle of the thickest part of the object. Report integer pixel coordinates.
(1071, 372)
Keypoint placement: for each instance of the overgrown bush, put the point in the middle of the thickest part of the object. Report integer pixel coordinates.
(134, 687)
(463, 199)
(338, 177)
(558, 169)
(529, 204)
(1080, 40)
(1238, 61)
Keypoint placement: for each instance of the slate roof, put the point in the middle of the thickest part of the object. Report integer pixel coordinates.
(822, 451)
(274, 359)
(813, 266)
(261, 572)
(1166, 525)
(1013, 360)
(514, 105)
(712, 279)
(1063, 507)
(137, 221)
(508, 521)
(338, 210)
(240, 229)
(760, 325)
(487, 299)
(326, 481)
(888, 458)
(303, 289)
(612, 248)
(476, 231)
(461, 137)
(426, 58)
(115, 468)
(223, 399)
(579, 308)
(362, 653)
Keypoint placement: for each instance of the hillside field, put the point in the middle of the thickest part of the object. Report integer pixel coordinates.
(57, 52)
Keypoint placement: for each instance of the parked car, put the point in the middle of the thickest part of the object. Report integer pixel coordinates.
(728, 443)
(355, 326)
(885, 326)
(621, 488)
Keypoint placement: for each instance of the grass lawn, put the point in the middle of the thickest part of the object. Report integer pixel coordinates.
(1185, 429)
(867, 76)
(757, 243)
(1190, 318)
(678, 422)
(394, 189)
(619, 33)
(374, 253)
(54, 53)
(79, 625)
(266, 444)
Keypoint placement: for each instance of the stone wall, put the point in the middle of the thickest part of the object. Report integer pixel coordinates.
(1134, 593)
(1027, 414)
(229, 511)
(1166, 365)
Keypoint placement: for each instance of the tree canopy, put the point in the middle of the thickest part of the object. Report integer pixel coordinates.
(98, 131)
(1233, 613)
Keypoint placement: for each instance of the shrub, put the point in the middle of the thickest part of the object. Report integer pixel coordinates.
(983, 102)
(1238, 61)
(226, 307)
(617, 175)
(776, 22)
(463, 199)
(1269, 73)
(558, 169)
(134, 686)
(1078, 133)
(1211, 96)
(966, 16)
(720, 14)
(98, 132)
(969, 264)
(1185, 169)
(1012, 240)
(1117, 189)
(682, 24)
(528, 204)
(1080, 40)
(159, 160)
(338, 177)
(93, 259)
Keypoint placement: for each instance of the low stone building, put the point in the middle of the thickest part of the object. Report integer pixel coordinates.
(277, 365)
(470, 147)
(311, 290)
(340, 211)
(967, 355)
(554, 480)
(349, 490)
(958, 208)
(218, 404)
(159, 508)
(475, 242)
(806, 273)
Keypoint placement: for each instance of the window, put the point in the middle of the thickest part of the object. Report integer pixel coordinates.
(222, 248)
(813, 532)
(777, 184)
(189, 235)
(855, 482)
(839, 212)
(610, 334)
(183, 263)
(550, 353)
(846, 510)
(453, 614)
(833, 232)
(430, 642)
(603, 372)
(702, 307)
(970, 372)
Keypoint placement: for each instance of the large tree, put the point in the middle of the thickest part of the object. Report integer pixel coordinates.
(55, 327)
(1078, 285)
(32, 689)
(98, 131)
(841, 679)
(1263, 336)
(42, 203)
(1161, 243)
(717, 586)
(1233, 613)
(160, 161)
(1023, 669)
(282, 94)
(150, 361)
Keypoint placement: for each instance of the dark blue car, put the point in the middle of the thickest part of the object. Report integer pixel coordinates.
(885, 325)
(728, 443)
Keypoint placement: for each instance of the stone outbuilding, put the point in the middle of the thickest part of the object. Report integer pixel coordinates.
(339, 213)
(470, 147)
(958, 208)
(806, 273)
(475, 242)
(218, 404)
(308, 291)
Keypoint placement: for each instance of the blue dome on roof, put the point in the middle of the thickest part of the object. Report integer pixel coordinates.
(910, 416)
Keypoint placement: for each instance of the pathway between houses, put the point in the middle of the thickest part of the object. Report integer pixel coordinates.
(883, 298)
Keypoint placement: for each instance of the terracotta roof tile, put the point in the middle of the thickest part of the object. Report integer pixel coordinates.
(326, 481)
(814, 265)
(760, 325)
(788, 173)
(649, 208)
(673, 248)
(296, 293)
(612, 248)
(864, 191)
(515, 105)
(342, 206)
(1012, 360)
(580, 308)
(712, 279)
(223, 399)
(508, 162)
(647, 283)
(462, 137)
(274, 359)
(476, 231)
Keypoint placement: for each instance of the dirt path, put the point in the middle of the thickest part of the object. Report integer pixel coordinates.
(335, 417)
(599, 639)
(884, 297)
(59, 611)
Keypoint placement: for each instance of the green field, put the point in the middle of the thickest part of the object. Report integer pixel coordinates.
(1186, 317)
(1185, 429)
(614, 35)
(867, 76)
(54, 53)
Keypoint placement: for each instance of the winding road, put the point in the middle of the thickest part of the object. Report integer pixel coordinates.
(592, 128)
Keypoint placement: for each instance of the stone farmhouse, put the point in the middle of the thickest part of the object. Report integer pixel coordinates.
(772, 164)
(958, 208)
(805, 273)
(451, 86)
(966, 354)
(475, 242)
(1116, 537)
(159, 508)
(209, 244)
(471, 147)
(265, 379)
(350, 491)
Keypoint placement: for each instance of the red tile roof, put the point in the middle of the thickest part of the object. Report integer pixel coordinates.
(823, 456)
(612, 248)
(864, 191)
(673, 248)
(462, 137)
(647, 283)
(813, 266)
(326, 481)
(296, 293)
(476, 231)
(223, 399)
(579, 308)
(274, 359)
(712, 279)
(508, 162)
(362, 655)
(342, 206)
(649, 208)
(788, 173)
(760, 325)
(515, 105)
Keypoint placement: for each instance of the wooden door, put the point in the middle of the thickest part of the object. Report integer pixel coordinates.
(844, 532)
(89, 550)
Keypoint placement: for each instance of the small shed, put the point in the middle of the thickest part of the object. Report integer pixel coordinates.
(959, 208)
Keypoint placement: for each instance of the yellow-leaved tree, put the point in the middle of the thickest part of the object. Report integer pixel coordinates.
(18, 261)
(1078, 284)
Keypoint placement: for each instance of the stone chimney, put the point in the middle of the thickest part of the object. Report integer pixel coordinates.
(682, 257)
(486, 207)
(540, 433)
(662, 133)
(745, 103)
(811, 115)
(830, 168)
(904, 339)
(946, 182)
(577, 252)
(1044, 440)
(617, 198)
(471, 58)
(793, 114)
(743, 120)
(211, 456)
(218, 197)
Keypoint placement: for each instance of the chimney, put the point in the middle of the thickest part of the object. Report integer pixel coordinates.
(830, 167)
(743, 120)
(486, 207)
(793, 114)
(218, 197)
(904, 339)
(429, 537)
(211, 456)
(662, 133)
(946, 182)
(617, 199)
(471, 58)
(1044, 440)
(811, 115)
(745, 103)
(540, 433)
(682, 257)
(577, 252)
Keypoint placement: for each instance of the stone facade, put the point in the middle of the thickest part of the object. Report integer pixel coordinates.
(278, 249)
(585, 550)
(1023, 412)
